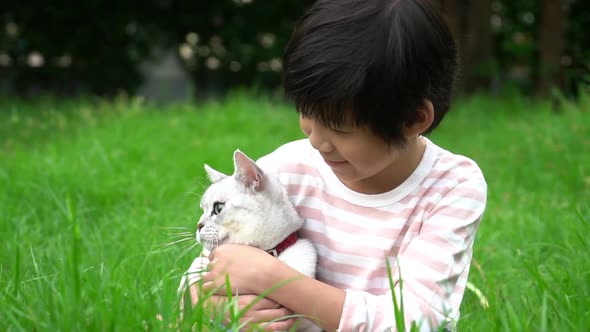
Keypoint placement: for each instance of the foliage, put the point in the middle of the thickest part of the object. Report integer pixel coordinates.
(578, 72)
(91, 47)
(98, 46)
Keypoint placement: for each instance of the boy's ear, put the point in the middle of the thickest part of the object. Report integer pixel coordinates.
(423, 120)
(247, 171)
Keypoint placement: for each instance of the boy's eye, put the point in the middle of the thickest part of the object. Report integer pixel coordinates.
(341, 131)
(217, 208)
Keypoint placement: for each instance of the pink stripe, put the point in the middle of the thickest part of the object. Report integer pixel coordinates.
(378, 291)
(334, 201)
(458, 191)
(455, 160)
(464, 232)
(381, 271)
(372, 291)
(354, 270)
(381, 214)
(467, 192)
(359, 249)
(387, 231)
(426, 259)
(301, 169)
(366, 212)
(338, 284)
(456, 175)
(457, 213)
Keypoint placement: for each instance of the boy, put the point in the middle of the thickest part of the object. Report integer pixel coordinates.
(368, 78)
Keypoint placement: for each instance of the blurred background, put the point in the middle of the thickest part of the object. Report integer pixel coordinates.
(168, 50)
(102, 151)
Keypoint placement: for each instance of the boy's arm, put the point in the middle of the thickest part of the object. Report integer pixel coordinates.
(320, 302)
(434, 267)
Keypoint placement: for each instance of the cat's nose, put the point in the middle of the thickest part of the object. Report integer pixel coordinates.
(199, 226)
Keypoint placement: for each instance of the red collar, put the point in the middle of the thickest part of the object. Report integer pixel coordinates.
(287, 242)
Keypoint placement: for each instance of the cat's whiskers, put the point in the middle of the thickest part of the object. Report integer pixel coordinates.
(177, 235)
(161, 248)
(181, 235)
(187, 250)
(177, 241)
(212, 243)
(178, 228)
(210, 237)
(178, 231)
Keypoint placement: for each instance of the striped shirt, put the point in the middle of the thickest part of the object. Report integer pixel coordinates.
(425, 228)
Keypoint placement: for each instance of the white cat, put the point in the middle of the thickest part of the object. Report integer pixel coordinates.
(251, 208)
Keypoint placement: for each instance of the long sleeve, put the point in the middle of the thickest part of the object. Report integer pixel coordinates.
(434, 268)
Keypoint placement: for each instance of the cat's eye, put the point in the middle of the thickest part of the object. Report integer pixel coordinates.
(217, 208)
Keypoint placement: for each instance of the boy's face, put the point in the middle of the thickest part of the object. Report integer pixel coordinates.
(361, 160)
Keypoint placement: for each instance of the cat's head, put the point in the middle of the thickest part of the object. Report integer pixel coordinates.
(248, 207)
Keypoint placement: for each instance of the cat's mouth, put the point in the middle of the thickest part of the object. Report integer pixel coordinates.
(210, 238)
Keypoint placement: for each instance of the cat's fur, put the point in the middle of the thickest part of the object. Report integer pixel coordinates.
(250, 207)
(256, 212)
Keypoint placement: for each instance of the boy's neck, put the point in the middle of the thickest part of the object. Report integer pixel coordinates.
(406, 163)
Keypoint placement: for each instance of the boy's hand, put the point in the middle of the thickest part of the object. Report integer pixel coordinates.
(263, 310)
(247, 268)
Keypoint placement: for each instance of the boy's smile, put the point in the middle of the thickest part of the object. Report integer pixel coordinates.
(335, 163)
(361, 160)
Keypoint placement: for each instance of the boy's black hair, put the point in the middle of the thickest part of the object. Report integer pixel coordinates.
(381, 59)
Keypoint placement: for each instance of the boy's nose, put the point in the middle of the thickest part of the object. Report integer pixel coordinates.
(316, 134)
(320, 143)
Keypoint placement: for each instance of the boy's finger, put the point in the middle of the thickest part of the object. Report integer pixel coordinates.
(266, 315)
(259, 303)
(280, 326)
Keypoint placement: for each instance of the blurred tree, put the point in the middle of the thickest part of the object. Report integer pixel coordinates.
(98, 46)
(576, 61)
(477, 46)
(469, 22)
(552, 46)
(515, 25)
(231, 43)
(65, 49)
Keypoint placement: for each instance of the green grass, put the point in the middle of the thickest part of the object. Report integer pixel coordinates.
(91, 193)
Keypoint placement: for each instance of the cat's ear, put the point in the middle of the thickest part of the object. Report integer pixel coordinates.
(247, 171)
(213, 175)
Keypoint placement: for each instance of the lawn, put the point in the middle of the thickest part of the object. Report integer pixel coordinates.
(98, 200)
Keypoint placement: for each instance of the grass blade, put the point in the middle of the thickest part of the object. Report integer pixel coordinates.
(400, 322)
